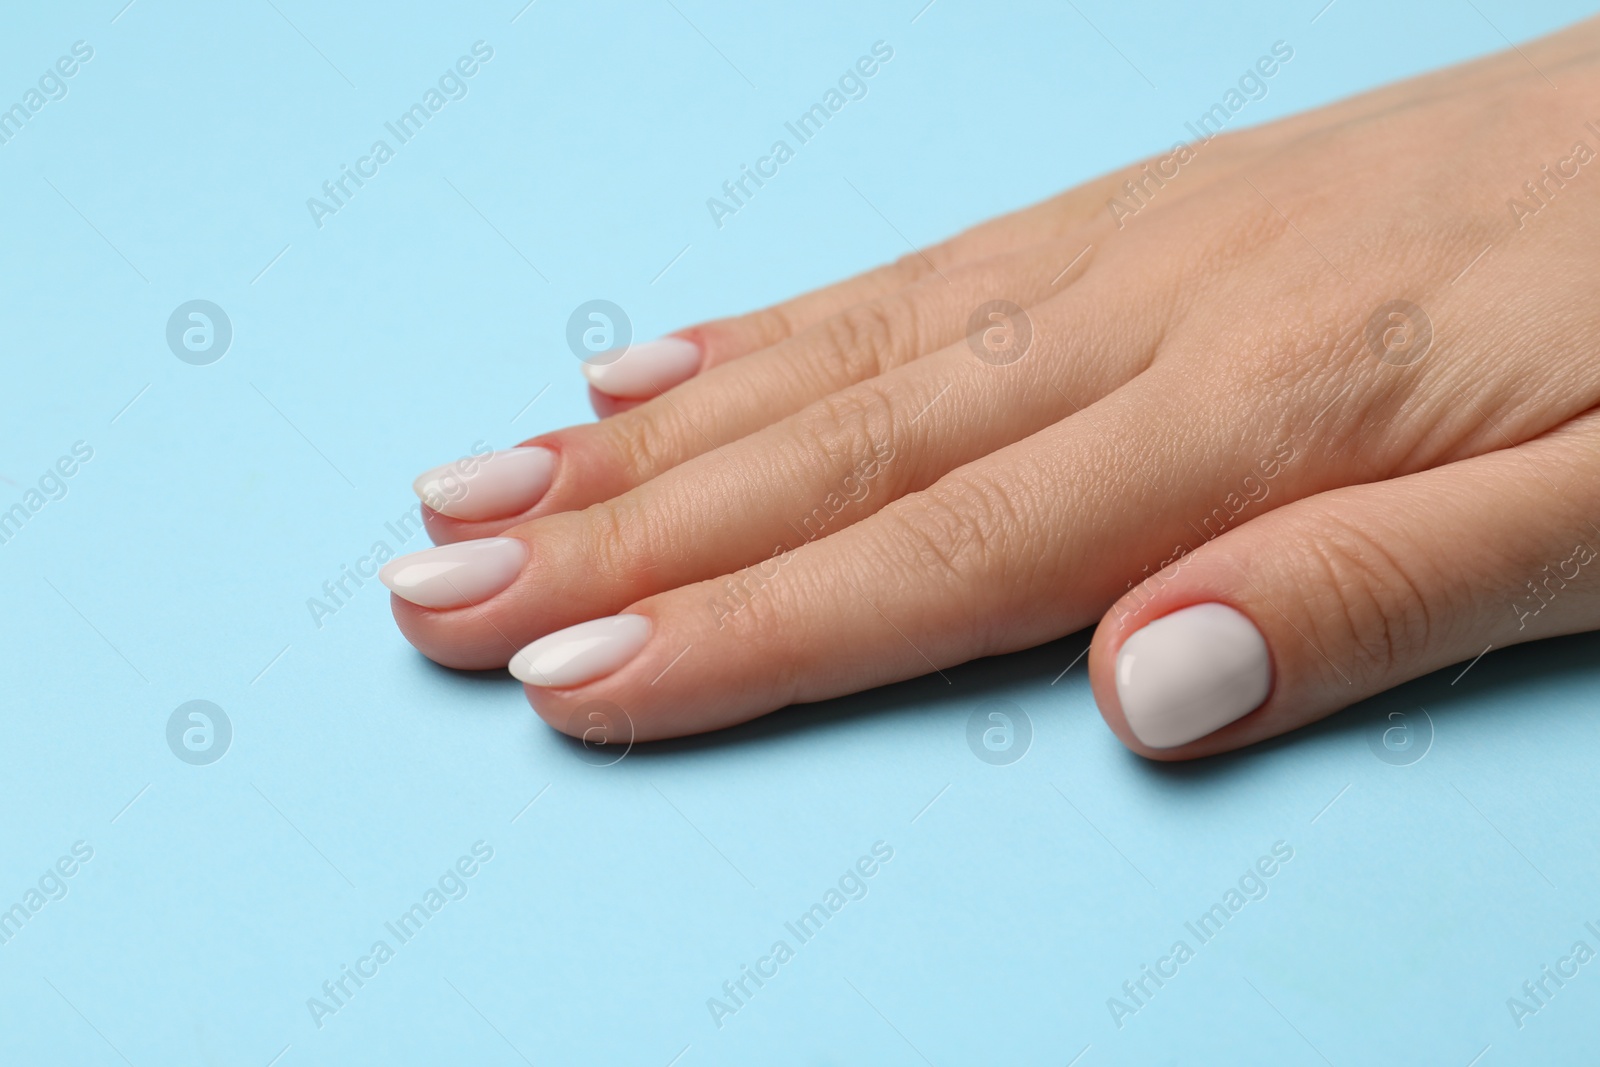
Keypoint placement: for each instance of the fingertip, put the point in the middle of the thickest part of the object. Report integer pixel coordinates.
(582, 653)
(547, 709)
(606, 405)
(442, 529)
(1174, 677)
(1107, 643)
(644, 370)
(600, 714)
(463, 652)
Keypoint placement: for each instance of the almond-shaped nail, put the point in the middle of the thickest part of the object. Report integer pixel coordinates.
(1190, 673)
(645, 370)
(454, 576)
(495, 486)
(581, 653)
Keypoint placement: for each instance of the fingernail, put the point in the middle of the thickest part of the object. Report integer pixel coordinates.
(644, 370)
(453, 576)
(581, 653)
(495, 486)
(1190, 673)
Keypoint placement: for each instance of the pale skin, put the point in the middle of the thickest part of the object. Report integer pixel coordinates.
(1219, 332)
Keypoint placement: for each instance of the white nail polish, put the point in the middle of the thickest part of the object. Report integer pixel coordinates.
(581, 653)
(1190, 673)
(644, 370)
(453, 576)
(496, 486)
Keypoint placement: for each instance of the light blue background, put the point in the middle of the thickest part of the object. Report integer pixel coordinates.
(415, 323)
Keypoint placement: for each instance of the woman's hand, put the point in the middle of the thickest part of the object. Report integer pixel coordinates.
(1299, 413)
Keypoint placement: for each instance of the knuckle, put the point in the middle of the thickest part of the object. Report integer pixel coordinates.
(848, 423)
(760, 329)
(757, 605)
(619, 541)
(957, 530)
(640, 441)
(911, 268)
(866, 337)
(660, 434)
(1369, 603)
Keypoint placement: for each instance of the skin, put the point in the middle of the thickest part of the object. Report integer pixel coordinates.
(1217, 333)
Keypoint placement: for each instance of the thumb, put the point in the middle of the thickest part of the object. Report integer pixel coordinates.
(1336, 597)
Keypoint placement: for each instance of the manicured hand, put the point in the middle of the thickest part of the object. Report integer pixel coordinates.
(1297, 413)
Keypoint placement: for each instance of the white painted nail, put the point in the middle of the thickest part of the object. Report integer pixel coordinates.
(644, 370)
(496, 486)
(1190, 673)
(453, 576)
(581, 653)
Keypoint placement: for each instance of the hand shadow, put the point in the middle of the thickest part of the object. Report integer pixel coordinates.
(911, 700)
(1461, 693)
(1470, 695)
